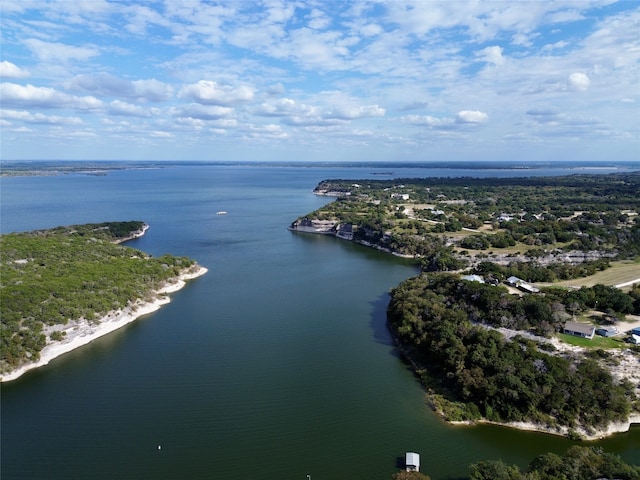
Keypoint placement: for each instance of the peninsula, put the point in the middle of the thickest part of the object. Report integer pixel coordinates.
(64, 287)
(512, 270)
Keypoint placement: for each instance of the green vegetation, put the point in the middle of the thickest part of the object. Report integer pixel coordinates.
(402, 475)
(559, 227)
(437, 320)
(578, 463)
(49, 277)
(540, 229)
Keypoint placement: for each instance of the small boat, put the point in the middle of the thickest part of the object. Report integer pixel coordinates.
(221, 212)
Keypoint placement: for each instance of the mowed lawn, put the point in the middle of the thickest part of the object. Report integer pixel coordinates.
(619, 272)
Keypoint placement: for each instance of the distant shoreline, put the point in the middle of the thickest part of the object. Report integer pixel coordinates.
(81, 332)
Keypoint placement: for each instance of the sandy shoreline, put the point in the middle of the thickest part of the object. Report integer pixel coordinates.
(82, 332)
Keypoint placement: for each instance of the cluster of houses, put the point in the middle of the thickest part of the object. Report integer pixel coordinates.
(578, 329)
(511, 281)
(586, 330)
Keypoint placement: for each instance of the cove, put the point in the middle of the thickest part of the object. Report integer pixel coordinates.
(276, 364)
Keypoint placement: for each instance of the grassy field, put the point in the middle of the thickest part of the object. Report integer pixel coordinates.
(620, 272)
(597, 342)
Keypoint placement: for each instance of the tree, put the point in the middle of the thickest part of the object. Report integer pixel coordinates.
(403, 475)
(494, 470)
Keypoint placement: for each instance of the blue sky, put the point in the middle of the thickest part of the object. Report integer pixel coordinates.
(320, 80)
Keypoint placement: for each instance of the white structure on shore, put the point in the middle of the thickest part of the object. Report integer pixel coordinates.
(412, 462)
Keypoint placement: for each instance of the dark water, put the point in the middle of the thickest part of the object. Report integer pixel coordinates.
(275, 365)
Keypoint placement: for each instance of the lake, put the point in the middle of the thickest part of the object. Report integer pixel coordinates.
(275, 364)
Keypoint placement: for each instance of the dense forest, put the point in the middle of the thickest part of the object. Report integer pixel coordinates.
(52, 276)
(440, 322)
(578, 463)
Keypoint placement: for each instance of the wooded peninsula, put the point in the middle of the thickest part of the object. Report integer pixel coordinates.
(512, 269)
(77, 281)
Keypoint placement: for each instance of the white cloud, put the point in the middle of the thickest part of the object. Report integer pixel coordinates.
(58, 52)
(579, 81)
(208, 92)
(471, 116)
(10, 70)
(202, 112)
(161, 134)
(118, 107)
(321, 67)
(318, 20)
(28, 96)
(492, 54)
(109, 85)
(427, 120)
(39, 118)
(152, 90)
(353, 113)
(280, 108)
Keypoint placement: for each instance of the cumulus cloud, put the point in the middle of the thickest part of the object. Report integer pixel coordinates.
(28, 96)
(446, 123)
(491, 55)
(352, 113)
(109, 85)
(10, 70)
(208, 92)
(39, 118)
(427, 120)
(280, 108)
(118, 107)
(202, 112)
(579, 81)
(58, 52)
(471, 116)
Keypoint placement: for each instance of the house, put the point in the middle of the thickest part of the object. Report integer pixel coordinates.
(401, 196)
(345, 231)
(607, 331)
(412, 462)
(522, 285)
(578, 329)
(514, 281)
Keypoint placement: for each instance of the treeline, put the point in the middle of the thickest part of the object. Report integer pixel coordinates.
(49, 277)
(578, 463)
(111, 231)
(579, 212)
(475, 373)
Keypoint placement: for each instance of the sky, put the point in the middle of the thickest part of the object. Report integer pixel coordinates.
(250, 80)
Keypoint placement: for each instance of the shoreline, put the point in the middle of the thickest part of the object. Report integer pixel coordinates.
(82, 332)
(558, 430)
(563, 431)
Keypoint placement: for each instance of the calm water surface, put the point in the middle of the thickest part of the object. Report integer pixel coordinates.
(276, 364)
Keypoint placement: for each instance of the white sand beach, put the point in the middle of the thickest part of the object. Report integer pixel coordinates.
(81, 332)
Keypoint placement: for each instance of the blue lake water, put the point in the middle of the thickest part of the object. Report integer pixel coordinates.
(276, 364)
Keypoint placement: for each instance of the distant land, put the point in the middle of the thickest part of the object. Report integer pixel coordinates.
(98, 167)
